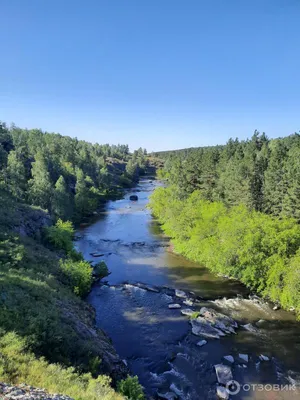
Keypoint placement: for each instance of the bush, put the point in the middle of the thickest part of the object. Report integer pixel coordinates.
(131, 389)
(61, 235)
(78, 275)
(17, 365)
(101, 270)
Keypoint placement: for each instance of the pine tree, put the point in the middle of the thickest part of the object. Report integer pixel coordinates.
(16, 175)
(62, 204)
(40, 186)
(81, 196)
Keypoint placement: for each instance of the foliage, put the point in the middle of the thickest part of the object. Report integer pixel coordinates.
(131, 389)
(260, 250)
(18, 365)
(60, 235)
(78, 275)
(101, 270)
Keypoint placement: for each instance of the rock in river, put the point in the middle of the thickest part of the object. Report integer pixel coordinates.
(229, 358)
(223, 373)
(174, 306)
(133, 197)
(218, 320)
(187, 311)
(180, 293)
(222, 392)
(201, 343)
(202, 327)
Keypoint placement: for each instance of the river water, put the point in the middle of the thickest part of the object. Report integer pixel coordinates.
(156, 342)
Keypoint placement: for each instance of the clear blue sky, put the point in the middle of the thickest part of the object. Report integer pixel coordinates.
(160, 74)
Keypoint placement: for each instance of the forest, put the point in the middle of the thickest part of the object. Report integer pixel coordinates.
(236, 209)
(48, 183)
(65, 176)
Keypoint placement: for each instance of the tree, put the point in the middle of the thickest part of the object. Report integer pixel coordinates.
(40, 186)
(16, 175)
(62, 204)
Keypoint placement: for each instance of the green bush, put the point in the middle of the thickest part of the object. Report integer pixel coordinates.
(78, 275)
(101, 270)
(18, 365)
(131, 389)
(61, 235)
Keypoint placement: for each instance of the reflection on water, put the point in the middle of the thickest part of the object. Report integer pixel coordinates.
(157, 342)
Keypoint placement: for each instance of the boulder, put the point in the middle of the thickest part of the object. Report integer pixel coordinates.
(229, 358)
(276, 307)
(244, 357)
(201, 327)
(264, 358)
(188, 302)
(249, 327)
(174, 306)
(222, 393)
(180, 293)
(133, 197)
(201, 343)
(218, 320)
(223, 373)
(187, 311)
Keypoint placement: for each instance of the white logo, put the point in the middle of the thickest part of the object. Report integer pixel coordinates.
(233, 387)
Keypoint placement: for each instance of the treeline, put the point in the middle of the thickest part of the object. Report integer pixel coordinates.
(64, 175)
(236, 210)
(262, 174)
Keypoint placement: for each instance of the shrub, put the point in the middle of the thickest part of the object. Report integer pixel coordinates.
(78, 275)
(131, 389)
(60, 235)
(101, 270)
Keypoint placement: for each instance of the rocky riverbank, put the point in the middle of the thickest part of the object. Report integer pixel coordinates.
(26, 392)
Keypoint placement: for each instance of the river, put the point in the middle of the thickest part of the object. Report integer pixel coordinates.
(155, 341)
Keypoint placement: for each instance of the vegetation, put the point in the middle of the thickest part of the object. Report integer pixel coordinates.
(66, 176)
(47, 336)
(131, 388)
(235, 209)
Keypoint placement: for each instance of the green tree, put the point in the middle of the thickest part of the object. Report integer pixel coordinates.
(16, 175)
(40, 186)
(62, 204)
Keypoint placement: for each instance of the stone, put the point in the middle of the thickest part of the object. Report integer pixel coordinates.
(201, 327)
(167, 395)
(175, 389)
(250, 328)
(276, 307)
(260, 322)
(224, 373)
(201, 343)
(264, 358)
(180, 293)
(229, 358)
(133, 197)
(187, 311)
(244, 357)
(222, 393)
(174, 306)
(218, 320)
(188, 302)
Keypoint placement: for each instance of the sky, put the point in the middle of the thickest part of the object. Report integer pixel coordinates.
(160, 74)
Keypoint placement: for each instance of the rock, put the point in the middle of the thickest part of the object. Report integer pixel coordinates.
(250, 328)
(222, 392)
(201, 343)
(167, 395)
(229, 358)
(276, 307)
(188, 302)
(187, 311)
(175, 389)
(260, 322)
(218, 320)
(133, 197)
(223, 373)
(201, 327)
(180, 293)
(26, 392)
(125, 362)
(264, 358)
(174, 306)
(97, 254)
(244, 357)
